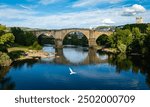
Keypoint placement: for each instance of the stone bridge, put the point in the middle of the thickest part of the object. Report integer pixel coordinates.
(59, 35)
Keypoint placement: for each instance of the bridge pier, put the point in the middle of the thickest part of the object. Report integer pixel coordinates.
(92, 56)
(92, 43)
(58, 43)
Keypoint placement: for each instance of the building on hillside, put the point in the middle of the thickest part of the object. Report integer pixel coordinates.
(139, 20)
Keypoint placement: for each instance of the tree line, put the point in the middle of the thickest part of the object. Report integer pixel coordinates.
(10, 37)
(134, 38)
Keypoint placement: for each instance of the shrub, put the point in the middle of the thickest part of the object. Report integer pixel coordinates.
(4, 59)
(36, 46)
(16, 54)
(122, 47)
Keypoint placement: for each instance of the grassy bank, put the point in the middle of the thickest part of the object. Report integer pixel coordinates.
(24, 52)
(19, 48)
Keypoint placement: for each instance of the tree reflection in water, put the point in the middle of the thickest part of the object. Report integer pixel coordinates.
(28, 62)
(5, 82)
(135, 63)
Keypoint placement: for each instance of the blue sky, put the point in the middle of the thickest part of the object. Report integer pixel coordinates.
(57, 14)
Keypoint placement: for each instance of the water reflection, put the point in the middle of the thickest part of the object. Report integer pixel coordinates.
(136, 64)
(92, 71)
(5, 82)
(77, 56)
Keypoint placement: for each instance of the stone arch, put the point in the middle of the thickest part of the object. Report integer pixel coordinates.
(84, 34)
(45, 38)
(97, 34)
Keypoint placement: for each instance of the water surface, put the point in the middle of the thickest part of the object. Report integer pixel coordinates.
(93, 71)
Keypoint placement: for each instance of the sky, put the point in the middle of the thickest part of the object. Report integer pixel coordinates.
(58, 14)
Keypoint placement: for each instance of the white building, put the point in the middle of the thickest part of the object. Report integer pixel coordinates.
(139, 20)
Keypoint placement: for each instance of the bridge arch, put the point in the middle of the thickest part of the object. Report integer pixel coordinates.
(84, 32)
(78, 38)
(46, 39)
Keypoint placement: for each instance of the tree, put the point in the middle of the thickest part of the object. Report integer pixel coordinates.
(23, 37)
(102, 40)
(147, 40)
(136, 33)
(75, 38)
(122, 39)
(6, 38)
(138, 41)
(142, 27)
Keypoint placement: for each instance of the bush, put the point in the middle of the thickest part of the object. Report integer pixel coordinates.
(122, 47)
(3, 48)
(36, 46)
(4, 59)
(16, 54)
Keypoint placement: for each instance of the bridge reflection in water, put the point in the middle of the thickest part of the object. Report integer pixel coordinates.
(90, 57)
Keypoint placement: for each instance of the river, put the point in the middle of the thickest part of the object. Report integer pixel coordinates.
(78, 68)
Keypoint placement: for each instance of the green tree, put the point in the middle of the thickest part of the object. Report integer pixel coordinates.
(147, 40)
(6, 38)
(122, 39)
(102, 40)
(24, 38)
(75, 38)
(36, 46)
(138, 41)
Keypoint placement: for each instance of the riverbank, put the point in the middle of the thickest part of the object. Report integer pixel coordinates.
(107, 50)
(22, 53)
(30, 54)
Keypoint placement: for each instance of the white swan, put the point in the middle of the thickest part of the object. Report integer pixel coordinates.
(71, 71)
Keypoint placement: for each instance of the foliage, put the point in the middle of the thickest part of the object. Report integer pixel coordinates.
(24, 38)
(111, 41)
(43, 39)
(142, 27)
(4, 59)
(75, 39)
(102, 40)
(131, 39)
(147, 40)
(36, 46)
(121, 47)
(6, 38)
(16, 54)
(121, 39)
(138, 41)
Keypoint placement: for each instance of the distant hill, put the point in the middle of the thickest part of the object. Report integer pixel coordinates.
(105, 28)
(142, 27)
(28, 29)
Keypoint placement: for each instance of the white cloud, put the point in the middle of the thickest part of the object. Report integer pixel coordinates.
(25, 7)
(83, 19)
(46, 2)
(108, 21)
(13, 13)
(83, 3)
(134, 10)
